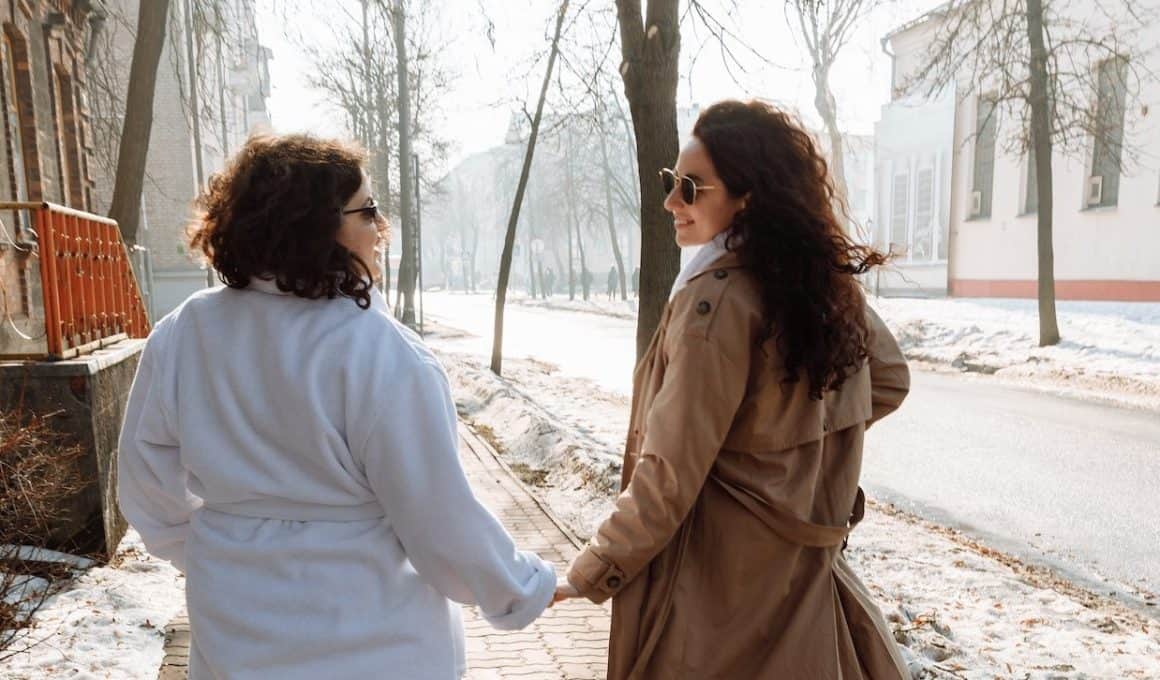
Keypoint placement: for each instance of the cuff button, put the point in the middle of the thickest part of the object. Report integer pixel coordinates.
(613, 582)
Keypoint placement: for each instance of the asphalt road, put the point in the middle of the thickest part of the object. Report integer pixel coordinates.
(1053, 480)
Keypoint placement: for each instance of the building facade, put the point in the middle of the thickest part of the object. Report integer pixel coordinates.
(959, 208)
(46, 141)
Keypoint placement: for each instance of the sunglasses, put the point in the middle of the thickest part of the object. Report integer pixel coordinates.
(370, 212)
(689, 189)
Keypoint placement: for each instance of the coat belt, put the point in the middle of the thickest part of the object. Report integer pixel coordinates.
(785, 523)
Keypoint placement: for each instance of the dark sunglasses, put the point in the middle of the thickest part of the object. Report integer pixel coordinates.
(689, 189)
(368, 211)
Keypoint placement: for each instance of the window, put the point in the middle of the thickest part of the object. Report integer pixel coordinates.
(67, 151)
(1108, 133)
(986, 126)
(899, 204)
(13, 140)
(921, 246)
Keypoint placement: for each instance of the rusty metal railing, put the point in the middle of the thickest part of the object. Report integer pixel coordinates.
(91, 295)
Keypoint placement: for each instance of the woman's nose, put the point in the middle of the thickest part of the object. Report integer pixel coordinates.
(672, 202)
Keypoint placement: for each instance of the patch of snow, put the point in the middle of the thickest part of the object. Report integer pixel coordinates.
(109, 623)
(1109, 350)
(29, 553)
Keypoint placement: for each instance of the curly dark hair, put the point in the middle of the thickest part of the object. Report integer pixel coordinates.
(276, 210)
(789, 236)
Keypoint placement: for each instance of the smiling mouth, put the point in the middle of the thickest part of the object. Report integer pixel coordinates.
(678, 223)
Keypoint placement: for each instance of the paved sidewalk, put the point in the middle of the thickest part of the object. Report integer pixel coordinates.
(569, 642)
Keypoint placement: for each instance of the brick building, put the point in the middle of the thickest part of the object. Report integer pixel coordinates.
(46, 141)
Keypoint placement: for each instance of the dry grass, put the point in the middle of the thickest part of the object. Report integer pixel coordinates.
(38, 477)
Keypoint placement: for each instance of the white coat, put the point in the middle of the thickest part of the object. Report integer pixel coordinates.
(298, 460)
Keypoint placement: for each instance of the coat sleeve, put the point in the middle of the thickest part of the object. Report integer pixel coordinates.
(411, 459)
(687, 424)
(889, 374)
(151, 481)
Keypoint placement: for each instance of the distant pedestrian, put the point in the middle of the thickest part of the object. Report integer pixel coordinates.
(551, 277)
(723, 552)
(636, 282)
(613, 278)
(293, 449)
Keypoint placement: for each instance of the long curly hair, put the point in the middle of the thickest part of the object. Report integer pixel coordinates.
(790, 238)
(275, 211)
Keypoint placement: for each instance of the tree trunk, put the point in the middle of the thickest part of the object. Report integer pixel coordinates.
(631, 157)
(138, 123)
(583, 263)
(573, 221)
(649, 72)
(384, 156)
(408, 263)
(471, 258)
(827, 108)
(532, 291)
(571, 270)
(608, 214)
(573, 226)
(192, 53)
(505, 263)
(1041, 140)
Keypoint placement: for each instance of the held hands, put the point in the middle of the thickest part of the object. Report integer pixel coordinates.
(564, 591)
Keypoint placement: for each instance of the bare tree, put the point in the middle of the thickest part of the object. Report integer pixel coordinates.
(364, 82)
(650, 46)
(509, 240)
(138, 123)
(1042, 66)
(825, 26)
(408, 267)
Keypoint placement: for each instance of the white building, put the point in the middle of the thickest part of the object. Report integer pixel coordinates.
(960, 211)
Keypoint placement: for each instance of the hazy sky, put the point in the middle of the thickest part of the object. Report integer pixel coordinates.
(488, 79)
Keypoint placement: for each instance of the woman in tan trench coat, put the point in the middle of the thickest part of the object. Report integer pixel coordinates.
(723, 554)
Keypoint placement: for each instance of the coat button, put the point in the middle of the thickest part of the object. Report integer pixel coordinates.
(825, 426)
(720, 274)
(613, 582)
(703, 307)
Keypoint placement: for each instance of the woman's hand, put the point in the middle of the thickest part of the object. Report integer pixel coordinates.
(564, 591)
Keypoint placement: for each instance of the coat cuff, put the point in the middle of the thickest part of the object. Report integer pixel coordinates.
(595, 578)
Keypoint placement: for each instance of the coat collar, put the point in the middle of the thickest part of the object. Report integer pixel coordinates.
(730, 260)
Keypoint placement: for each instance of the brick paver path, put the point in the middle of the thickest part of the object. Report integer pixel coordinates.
(570, 641)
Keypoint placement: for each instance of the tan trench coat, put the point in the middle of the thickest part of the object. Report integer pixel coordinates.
(723, 553)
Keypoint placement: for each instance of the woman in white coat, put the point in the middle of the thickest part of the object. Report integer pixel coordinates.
(293, 449)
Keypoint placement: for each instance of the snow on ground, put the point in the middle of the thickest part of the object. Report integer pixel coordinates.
(961, 610)
(1110, 351)
(109, 623)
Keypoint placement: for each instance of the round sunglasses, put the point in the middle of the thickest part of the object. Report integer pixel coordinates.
(670, 179)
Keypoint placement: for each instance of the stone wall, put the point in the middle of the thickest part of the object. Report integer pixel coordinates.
(89, 395)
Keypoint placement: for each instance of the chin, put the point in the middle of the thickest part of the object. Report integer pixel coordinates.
(689, 240)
